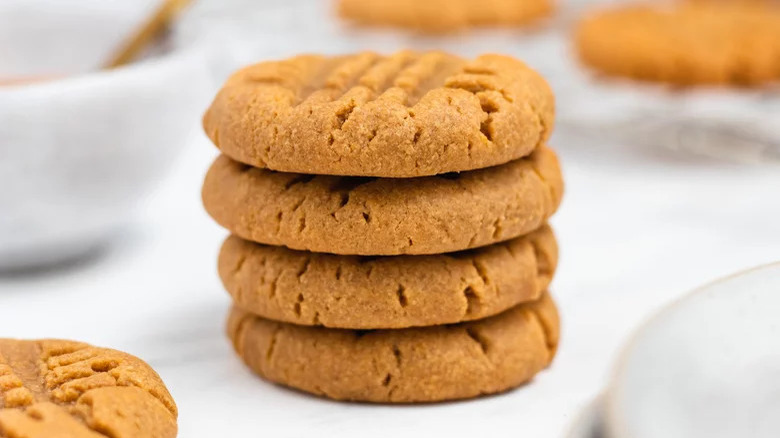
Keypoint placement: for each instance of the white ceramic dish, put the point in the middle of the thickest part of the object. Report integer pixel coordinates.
(707, 366)
(704, 367)
(77, 154)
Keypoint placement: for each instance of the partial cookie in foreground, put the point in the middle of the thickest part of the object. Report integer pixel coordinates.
(387, 292)
(369, 216)
(405, 115)
(408, 365)
(444, 15)
(687, 43)
(52, 388)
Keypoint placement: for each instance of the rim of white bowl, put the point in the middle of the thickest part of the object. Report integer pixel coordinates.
(171, 57)
(613, 425)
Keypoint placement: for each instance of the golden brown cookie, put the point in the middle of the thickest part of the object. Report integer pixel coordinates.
(407, 365)
(52, 388)
(444, 15)
(688, 43)
(405, 115)
(387, 292)
(369, 216)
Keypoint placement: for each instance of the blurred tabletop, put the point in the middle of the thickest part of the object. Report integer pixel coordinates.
(638, 227)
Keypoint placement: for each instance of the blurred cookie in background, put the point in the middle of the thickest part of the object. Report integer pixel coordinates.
(437, 16)
(690, 43)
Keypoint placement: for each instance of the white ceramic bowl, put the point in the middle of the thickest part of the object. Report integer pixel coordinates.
(77, 154)
(707, 366)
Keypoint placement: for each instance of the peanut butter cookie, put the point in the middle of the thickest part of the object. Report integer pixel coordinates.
(688, 43)
(369, 216)
(387, 292)
(434, 16)
(400, 366)
(405, 115)
(53, 388)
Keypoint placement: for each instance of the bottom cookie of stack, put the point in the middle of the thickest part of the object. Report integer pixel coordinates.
(424, 364)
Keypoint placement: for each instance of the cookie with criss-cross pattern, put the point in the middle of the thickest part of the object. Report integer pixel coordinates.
(387, 292)
(444, 15)
(689, 43)
(53, 388)
(404, 115)
(370, 216)
(423, 364)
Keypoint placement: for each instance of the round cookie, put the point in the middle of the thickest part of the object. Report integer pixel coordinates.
(53, 388)
(688, 43)
(400, 366)
(444, 15)
(387, 292)
(404, 115)
(366, 216)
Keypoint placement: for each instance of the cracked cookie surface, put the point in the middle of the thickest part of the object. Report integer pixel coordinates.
(404, 115)
(54, 388)
(387, 292)
(400, 366)
(690, 43)
(370, 216)
(436, 16)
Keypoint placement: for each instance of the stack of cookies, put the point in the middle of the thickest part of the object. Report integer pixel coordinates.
(388, 217)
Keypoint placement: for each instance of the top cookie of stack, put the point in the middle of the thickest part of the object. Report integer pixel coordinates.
(405, 115)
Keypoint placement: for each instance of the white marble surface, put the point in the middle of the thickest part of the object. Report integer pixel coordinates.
(638, 227)
(635, 231)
